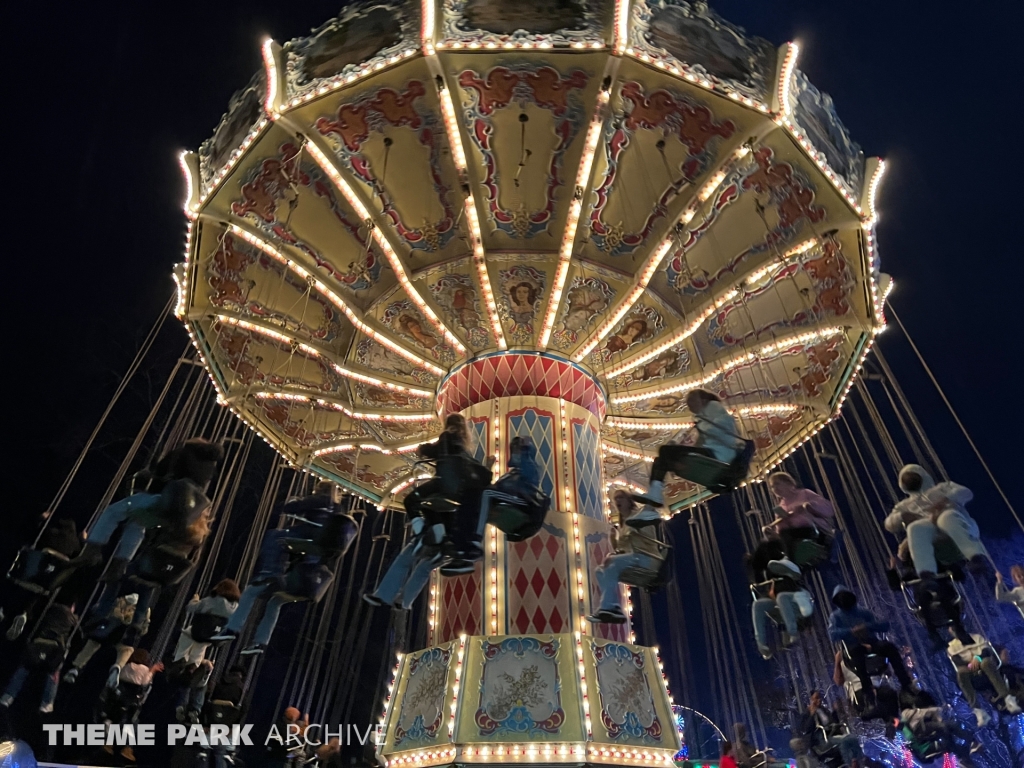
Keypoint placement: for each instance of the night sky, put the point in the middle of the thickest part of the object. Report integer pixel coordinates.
(108, 94)
(102, 97)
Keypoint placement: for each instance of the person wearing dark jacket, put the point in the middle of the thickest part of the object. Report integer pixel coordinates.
(60, 536)
(460, 478)
(318, 520)
(859, 629)
(44, 653)
(937, 599)
(174, 500)
(823, 729)
(410, 570)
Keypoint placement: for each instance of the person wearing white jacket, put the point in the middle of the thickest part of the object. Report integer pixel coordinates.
(716, 437)
(930, 509)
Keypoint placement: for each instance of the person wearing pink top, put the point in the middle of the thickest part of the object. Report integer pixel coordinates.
(801, 513)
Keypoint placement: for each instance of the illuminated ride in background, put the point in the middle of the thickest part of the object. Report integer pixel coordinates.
(555, 219)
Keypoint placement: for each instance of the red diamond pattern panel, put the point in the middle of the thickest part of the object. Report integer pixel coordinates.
(538, 594)
(511, 375)
(597, 551)
(460, 606)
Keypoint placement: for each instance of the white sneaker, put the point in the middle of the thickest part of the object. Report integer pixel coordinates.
(1011, 705)
(982, 716)
(71, 675)
(646, 516)
(6, 700)
(17, 626)
(114, 676)
(46, 708)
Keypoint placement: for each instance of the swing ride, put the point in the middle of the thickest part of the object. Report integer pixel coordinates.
(556, 220)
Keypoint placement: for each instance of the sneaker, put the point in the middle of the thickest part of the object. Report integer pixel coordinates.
(982, 717)
(458, 566)
(649, 515)
(784, 567)
(765, 651)
(71, 675)
(179, 713)
(608, 616)
(1011, 705)
(17, 626)
(6, 700)
(193, 717)
(224, 634)
(254, 649)
(788, 640)
(46, 708)
(113, 676)
(373, 600)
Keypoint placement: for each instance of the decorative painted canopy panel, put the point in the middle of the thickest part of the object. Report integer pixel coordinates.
(639, 192)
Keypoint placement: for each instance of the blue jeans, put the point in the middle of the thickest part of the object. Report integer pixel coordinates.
(111, 517)
(763, 606)
(271, 612)
(14, 685)
(407, 576)
(608, 577)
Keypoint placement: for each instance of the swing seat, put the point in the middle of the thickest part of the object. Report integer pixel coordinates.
(808, 553)
(104, 629)
(876, 665)
(718, 476)
(301, 547)
(307, 583)
(337, 535)
(205, 626)
(656, 569)
(43, 653)
(122, 702)
(931, 613)
(162, 566)
(222, 712)
(517, 517)
(36, 570)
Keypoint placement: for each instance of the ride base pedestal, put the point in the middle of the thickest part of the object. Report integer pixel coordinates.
(543, 685)
(565, 698)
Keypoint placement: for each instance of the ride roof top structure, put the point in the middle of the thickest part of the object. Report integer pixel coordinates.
(424, 205)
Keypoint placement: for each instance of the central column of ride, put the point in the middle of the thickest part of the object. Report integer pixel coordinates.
(513, 671)
(544, 584)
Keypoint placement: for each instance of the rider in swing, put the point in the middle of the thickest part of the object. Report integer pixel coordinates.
(717, 438)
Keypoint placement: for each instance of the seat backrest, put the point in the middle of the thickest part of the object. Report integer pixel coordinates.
(36, 569)
(131, 694)
(221, 712)
(307, 582)
(808, 553)
(876, 665)
(652, 574)
(162, 565)
(517, 518)
(205, 626)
